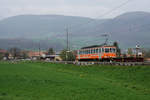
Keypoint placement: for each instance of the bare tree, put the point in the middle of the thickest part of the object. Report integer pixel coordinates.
(51, 51)
(15, 52)
(130, 52)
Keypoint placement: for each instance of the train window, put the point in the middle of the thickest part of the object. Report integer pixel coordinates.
(103, 50)
(92, 51)
(99, 50)
(106, 50)
(111, 49)
(88, 51)
(79, 52)
(96, 50)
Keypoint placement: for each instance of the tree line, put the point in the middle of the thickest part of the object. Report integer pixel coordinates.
(65, 54)
(17, 53)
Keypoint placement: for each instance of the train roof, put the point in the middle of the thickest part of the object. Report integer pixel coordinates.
(94, 46)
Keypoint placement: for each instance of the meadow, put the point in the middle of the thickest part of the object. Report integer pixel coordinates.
(46, 81)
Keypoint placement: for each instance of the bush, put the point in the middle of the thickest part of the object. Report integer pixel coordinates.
(67, 55)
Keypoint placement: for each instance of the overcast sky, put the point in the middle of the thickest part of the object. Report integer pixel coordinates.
(87, 8)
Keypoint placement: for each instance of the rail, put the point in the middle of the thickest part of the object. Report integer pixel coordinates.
(102, 63)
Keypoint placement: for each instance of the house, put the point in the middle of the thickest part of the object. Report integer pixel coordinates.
(55, 57)
(2, 51)
(2, 54)
(147, 59)
(36, 54)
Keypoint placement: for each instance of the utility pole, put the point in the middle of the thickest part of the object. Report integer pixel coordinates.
(39, 50)
(67, 43)
(67, 34)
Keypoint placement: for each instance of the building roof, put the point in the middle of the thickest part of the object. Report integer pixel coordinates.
(2, 51)
(35, 53)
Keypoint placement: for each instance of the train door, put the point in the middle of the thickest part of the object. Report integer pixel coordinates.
(100, 53)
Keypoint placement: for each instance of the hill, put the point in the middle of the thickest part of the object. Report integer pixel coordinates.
(38, 81)
(128, 29)
(35, 26)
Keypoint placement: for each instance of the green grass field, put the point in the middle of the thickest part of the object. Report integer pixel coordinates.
(45, 81)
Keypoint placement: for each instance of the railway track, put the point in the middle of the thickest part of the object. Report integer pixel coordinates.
(102, 63)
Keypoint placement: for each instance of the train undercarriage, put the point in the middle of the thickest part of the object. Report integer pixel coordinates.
(119, 59)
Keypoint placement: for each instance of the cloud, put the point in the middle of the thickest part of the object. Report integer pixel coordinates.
(87, 8)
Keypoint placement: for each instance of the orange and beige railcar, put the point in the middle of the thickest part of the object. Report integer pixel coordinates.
(96, 53)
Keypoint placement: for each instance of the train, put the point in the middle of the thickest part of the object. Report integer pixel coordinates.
(103, 53)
